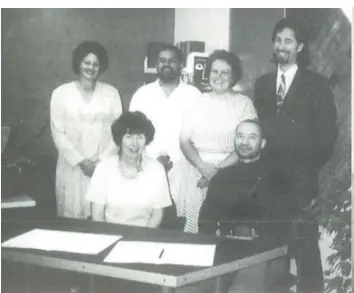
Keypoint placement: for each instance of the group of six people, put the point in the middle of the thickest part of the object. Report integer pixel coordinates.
(218, 157)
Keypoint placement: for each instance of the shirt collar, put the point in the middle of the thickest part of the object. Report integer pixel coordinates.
(290, 73)
(289, 76)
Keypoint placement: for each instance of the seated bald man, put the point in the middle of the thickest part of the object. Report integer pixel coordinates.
(233, 192)
(241, 200)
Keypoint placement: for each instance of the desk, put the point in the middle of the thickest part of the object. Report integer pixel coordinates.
(17, 201)
(231, 255)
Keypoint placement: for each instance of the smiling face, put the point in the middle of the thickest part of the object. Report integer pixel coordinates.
(286, 47)
(220, 77)
(249, 141)
(168, 66)
(133, 145)
(90, 68)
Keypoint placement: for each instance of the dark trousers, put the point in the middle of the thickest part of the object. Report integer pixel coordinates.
(302, 239)
(307, 254)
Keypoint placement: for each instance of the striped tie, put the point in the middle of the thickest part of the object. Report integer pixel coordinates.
(281, 92)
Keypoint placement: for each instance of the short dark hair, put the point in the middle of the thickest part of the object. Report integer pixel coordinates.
(174, 49)
(254, 121)
(230, 58)
(85, 48)
(303, 58)
(132, 122)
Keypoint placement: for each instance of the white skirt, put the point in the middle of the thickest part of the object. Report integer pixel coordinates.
(190, 197)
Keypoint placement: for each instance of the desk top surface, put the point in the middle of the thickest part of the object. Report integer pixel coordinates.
(17, 201)
(228, 251)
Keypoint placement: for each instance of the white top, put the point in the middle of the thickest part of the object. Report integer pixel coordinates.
(289, 77)
(82, 130)
(129, 201)
(166, 114)
(211, 124)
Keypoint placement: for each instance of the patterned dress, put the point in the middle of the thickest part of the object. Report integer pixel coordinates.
(210, 126)
(80, 130)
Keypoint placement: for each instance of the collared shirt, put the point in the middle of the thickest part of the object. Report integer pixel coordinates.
(166, 114)
(289, 77)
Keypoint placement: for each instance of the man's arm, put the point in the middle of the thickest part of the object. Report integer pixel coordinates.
(136, 100)
(324, 127)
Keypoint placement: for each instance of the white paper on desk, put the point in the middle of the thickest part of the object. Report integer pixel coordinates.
(76, 242)
(135, 252)
(189, 254)
(151, 252)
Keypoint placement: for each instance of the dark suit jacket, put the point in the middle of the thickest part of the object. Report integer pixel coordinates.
(232, 193)
(246, 194)
(300, 138)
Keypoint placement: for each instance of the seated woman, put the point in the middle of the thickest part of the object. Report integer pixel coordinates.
(130, 188)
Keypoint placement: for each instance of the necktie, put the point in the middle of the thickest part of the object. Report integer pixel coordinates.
(281, 92)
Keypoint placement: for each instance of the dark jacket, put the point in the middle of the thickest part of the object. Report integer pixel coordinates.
(229, 190)
(300, 138)
(245, 194)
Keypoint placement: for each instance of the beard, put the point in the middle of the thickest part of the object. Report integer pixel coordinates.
(280, 59)
(168, 74)
(246, 153)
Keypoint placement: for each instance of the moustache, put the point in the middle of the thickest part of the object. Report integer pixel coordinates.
(245, 148)
(281, 51)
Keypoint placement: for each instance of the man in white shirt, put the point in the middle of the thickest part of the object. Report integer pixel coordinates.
(164, 102)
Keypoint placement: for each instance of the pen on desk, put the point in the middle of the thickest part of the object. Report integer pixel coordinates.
(163, 250)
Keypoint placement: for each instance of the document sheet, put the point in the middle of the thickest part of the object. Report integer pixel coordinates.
(53, 240)
(162, 253)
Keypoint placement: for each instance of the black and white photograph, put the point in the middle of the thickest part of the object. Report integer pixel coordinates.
(176, 150)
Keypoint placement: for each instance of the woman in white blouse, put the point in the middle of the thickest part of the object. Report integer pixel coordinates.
(207, 136)
(130, 188)
(81, 114)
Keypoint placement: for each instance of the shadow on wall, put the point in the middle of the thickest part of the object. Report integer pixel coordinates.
(252, 69)
(250, 39)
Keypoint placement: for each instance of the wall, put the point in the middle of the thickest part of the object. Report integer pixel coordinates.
(330, 51)
(209, 25)
(250, 38)
(36, 57)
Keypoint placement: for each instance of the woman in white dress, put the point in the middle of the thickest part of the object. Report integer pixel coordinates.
(81, 114)
(207, 136)
(130, 188)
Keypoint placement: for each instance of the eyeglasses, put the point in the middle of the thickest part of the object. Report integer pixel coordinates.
(221, 73)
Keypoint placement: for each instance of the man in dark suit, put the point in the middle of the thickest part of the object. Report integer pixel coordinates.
(240, 202)
(231, 199)
(298, 116)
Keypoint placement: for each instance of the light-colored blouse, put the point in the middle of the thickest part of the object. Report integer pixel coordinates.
(129, 201)
(211, 124)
